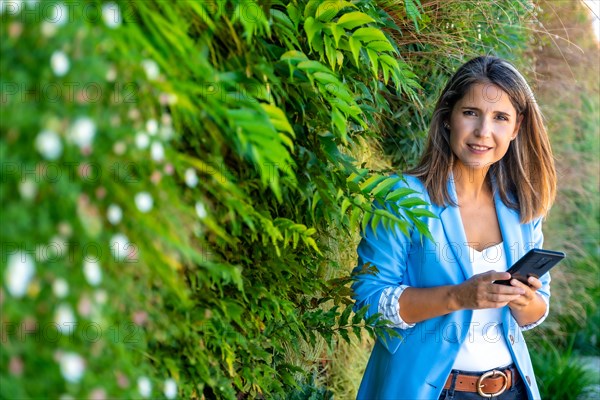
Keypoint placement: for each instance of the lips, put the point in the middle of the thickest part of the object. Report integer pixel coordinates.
(478, 147)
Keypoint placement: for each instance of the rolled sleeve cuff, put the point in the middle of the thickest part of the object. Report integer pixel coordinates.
(539, 321)
(389, 306)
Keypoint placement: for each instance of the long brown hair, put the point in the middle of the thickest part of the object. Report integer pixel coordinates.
(525, 176)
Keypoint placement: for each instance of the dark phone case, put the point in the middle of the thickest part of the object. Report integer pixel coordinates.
(535, 263)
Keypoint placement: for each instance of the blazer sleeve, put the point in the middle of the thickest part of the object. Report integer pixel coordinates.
(544, 291)
(388, 252)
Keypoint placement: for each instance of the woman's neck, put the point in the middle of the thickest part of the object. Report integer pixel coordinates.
(471, 184)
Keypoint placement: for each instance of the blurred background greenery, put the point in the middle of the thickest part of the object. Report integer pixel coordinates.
(183, 185)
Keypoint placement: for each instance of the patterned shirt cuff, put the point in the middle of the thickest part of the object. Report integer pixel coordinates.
(389, 306)
(539, 321)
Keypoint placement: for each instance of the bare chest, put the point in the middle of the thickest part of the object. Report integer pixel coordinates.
(481, 226)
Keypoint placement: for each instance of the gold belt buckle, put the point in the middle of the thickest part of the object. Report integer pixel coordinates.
(491, 374)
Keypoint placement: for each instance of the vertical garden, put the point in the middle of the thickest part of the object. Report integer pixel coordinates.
(183, 185)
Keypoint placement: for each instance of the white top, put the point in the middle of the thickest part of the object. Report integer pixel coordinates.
(485, 346)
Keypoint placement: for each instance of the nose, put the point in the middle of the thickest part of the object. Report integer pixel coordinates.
(485, 128)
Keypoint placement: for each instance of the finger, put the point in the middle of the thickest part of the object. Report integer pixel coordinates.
(503, 298)
(517, 283)
(491, 276)
(516, 289)
(534, 282)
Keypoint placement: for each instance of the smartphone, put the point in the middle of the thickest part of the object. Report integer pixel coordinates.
(535, 263)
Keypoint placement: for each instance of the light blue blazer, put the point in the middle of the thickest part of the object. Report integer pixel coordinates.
(417, 366)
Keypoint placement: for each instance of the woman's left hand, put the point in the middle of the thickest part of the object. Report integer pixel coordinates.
(523, 301)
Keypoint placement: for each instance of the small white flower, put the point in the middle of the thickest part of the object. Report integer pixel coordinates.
(200, 210)
(170, 390)
(27, 189)
(166, 119)
(151, 68)
(114, 214)
(60, 63)
(152, 126)
(60, 287)
(142, 140)
(100, 296)
(48, 144)
(119, 148)
(18, 274)
(111, 14)
(82, 132)
(119, 246)
(157, 151)
(191, 179)
(111, 74)
(48, 29)
(143, 201)
(166, 132)
(65, 319)
(72, 367)
(144, 386)
(92, 272)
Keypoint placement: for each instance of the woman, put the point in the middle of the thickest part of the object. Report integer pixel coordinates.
(488, 175)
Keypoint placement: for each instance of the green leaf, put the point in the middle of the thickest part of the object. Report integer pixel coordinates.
(370, 183)
(339, 121)
(337, 32)
(294, 14)
(381, 45)
(354, 217)
(313, 66)
(330, 8)
(357, 331)
(311, 8)
(355, 47)
(411, 202)
(330, 51)
(278, 118)
(369, 34)
(390, 61)
(398, 194)
(422, 212)
(345, 204)
(374, 61)
(412, 11)
(344, 317)
(360, 315)
(344, 335)
(353, 19)
(375, 222)
(385, 185)
(293, 55)
(365, 220)
(339, 57)
(312, 28)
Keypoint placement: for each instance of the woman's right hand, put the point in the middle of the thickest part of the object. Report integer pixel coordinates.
(479, 292)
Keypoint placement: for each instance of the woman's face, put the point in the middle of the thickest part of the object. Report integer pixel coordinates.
(482, 125)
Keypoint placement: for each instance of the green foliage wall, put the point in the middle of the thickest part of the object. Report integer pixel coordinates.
(166, 168)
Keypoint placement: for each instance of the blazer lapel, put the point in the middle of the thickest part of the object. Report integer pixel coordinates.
(509, 222)
(456, 238)
(508, 219)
